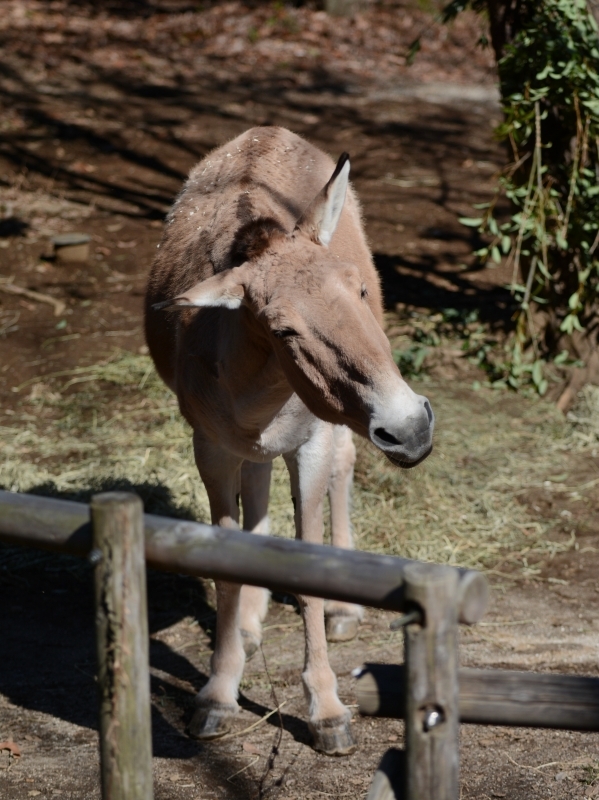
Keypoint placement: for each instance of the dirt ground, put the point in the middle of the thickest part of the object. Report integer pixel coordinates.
(48, 700)
(104, 111)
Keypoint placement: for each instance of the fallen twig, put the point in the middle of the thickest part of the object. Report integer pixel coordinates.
(255, 725)
(8, 287)
(243, 769)
(540, 767)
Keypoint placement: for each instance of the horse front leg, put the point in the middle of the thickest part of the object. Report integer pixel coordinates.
(329, 720)
(342, 619)
(217, 700)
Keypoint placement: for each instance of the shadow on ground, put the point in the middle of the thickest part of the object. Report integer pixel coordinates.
(47, 630)
(123, 135)
(415, 282)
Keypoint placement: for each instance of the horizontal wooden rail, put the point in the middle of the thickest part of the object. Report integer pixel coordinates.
(202, 550)
(493, 697)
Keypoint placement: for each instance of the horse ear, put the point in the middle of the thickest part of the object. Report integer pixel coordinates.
(320, 219)
(225, 290)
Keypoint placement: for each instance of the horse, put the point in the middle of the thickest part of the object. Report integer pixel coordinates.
(264, 315)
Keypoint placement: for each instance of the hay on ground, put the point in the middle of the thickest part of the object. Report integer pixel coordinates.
(115, 425)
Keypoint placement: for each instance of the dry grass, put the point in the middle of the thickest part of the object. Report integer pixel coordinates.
(115, 425)
(584, 419)
(461, 506)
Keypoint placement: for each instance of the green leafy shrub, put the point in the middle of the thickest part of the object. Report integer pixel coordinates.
(549, 76)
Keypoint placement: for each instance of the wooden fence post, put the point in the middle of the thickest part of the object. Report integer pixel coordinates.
(428, 769)
(123, 646)
(431, 657)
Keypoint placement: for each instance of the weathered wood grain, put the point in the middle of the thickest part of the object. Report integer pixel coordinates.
(389, 781)
(123, 647)
(210, 552)
(493, 697)
(431, 689)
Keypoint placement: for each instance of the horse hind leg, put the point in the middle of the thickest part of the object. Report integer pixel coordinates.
(342, 619)
(216, 702)
(329, 719)
(255, 487)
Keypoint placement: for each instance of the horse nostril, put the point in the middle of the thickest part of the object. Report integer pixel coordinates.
(381, 433)
(429, 411)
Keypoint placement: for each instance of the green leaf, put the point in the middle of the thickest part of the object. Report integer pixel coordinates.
(471, 222)
(573, 301)
(452, 9)
(413, 50)
(419, 358)
(570, 323)
(543, 270)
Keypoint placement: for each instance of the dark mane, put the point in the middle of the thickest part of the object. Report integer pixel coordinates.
(253, 238)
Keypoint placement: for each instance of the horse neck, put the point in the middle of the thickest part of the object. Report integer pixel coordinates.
(250, 373)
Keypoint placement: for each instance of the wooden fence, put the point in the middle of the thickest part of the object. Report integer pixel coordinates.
(428, 691)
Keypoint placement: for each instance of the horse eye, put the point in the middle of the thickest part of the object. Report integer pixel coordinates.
(284, 333)
(364, 292)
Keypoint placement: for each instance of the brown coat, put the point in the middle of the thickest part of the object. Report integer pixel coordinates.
(273, 344)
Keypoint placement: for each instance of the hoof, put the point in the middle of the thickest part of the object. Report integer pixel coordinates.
(341, 628)
(333, 737)
(211, 721)
(251, 643)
